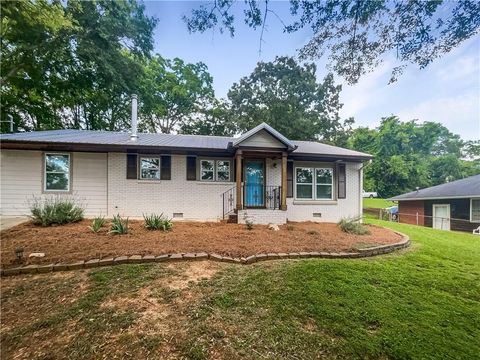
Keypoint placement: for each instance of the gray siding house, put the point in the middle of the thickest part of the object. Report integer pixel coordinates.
(260, 175)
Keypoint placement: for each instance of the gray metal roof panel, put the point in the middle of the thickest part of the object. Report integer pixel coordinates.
(468, 187)
(166, 140)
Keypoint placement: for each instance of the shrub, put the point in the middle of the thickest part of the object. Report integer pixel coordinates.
(312, 232)
(57, 210)
(97, 224)
(157, 222)
(249, 224)
(290, 227)
(352, 226)
(119, 226)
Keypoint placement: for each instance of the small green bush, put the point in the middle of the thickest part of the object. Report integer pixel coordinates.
(352, 226)
(119, 226)
(97, 224)
(57, 210)
(157, 222)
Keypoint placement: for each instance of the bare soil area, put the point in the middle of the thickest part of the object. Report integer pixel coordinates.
(75, 242)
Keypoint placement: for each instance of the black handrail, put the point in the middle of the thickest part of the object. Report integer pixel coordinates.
(228, 200)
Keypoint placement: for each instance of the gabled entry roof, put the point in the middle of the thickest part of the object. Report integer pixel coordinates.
(264, 127)
(464, 188)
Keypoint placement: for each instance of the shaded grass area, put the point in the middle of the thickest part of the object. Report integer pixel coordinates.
(377, 203)
(422, 303)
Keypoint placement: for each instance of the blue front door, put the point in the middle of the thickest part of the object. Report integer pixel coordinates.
(254, 183)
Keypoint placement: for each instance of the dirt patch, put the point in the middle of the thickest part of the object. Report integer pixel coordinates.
(74, 242)
(195, 272)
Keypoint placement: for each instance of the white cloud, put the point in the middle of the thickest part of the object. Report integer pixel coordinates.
(463, 68)
(460, 114)
(366, 92)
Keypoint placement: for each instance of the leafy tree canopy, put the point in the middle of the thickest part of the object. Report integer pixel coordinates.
(287, 96)
(356, 34)
(408, 154)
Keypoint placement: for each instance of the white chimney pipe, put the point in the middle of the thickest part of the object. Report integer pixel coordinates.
(134, 135)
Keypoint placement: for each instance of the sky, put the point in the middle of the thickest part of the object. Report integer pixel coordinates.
(447, 91)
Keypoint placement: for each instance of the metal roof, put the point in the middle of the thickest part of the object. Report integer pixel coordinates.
(464, 188)
(92, 137)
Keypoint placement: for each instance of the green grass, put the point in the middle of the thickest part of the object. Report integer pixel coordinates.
(420, 303)
(377, 203)
(398, 306)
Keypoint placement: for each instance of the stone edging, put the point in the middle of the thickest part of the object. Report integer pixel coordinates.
(138, 259)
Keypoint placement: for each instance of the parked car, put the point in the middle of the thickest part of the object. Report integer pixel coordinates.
(369, 194)
(393, 210)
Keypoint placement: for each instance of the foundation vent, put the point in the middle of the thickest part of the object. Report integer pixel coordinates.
(178, 215)
(317, 214)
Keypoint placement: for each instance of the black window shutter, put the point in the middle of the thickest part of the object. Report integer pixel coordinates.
(342, 182)
(131, 166)
(166, 167)
(289, 179)
(191, 168)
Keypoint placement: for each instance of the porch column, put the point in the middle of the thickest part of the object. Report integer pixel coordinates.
(283, 202)
(238, 178)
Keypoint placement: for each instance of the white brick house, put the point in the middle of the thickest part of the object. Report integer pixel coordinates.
(260, 175)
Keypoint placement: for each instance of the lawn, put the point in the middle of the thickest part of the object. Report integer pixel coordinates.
(421, 303)
(377, 203)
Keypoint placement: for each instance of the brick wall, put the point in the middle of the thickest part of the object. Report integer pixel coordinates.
(408, 212)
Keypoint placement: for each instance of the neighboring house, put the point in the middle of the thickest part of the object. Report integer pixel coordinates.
(451, 206)
(261, 175)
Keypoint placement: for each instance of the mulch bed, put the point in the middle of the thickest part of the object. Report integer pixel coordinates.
(75, 242)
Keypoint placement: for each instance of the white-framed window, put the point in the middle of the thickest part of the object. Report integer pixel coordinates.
(214, 170)
(475, 210)
(324, 183)
(207, 170)
(57, 172)
(149, 167)
(313, 183)
(223, 170)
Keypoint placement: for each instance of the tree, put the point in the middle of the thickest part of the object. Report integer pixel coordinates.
(214, 120)
(357, 34)
(409, 155)
(287, 96)
(73, 63)
(173, 92)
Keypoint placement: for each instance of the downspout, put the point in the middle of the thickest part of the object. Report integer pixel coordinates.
(360, 189)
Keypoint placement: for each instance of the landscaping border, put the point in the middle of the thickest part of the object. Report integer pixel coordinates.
(138, 259)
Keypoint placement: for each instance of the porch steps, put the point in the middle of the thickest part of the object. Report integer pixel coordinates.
(232, 219)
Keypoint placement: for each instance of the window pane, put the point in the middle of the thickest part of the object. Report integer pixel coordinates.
(56, 181)
(207, 165)
(223, 170)
(304, 191)
(223, 176)
(207, 175)
(324, 191)
(149, 163)
(57, 163)
(324, 176)
(304, 175)
(150, 174)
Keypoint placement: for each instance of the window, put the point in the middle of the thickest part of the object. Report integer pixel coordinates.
(150, 168)
(207, 170)
(314, 183)
(324, 181)
(223, 170)
(475, 210)
(57, 172)
(304, 178)
(215, 170)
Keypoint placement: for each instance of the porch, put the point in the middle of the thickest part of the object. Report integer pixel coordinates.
(260, 190)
